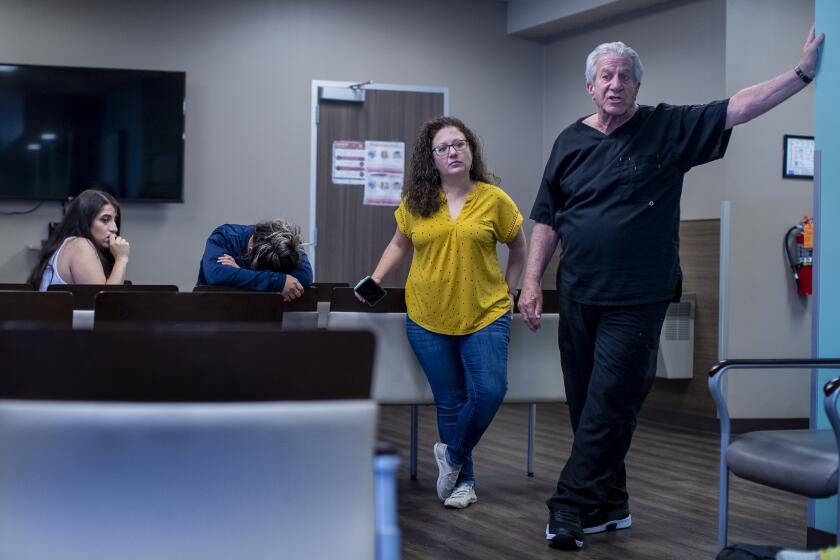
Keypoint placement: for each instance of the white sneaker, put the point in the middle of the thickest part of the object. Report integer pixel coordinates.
(824, 554)
(461, 497)
(447, 474)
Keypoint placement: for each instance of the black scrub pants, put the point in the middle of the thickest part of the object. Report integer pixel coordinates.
(608, 355)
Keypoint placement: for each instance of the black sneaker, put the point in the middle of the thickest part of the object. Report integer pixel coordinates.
(602, 520)
(564, 530)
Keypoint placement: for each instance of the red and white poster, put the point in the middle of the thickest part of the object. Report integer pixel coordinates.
(348, 162)
(384, 172)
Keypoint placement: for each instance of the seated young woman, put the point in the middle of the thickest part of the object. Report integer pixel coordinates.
(86, 247)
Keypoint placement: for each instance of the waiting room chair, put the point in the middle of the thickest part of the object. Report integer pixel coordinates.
(310, 311)
(534, 372)
(188, 444)
(804, 462)
(84, 295)
(16, 287)
(115, 308)
(397, 376)
(42, 307)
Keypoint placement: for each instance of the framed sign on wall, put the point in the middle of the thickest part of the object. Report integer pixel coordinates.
(798, 157)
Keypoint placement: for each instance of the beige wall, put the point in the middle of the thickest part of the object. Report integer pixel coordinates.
(766, 319)
(249, 67)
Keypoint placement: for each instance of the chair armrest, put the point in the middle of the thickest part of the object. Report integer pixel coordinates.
(831, 386)
(717, 370)
(830, 403)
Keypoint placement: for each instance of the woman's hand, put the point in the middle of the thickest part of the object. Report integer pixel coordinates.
(227, 260)
(119, 247)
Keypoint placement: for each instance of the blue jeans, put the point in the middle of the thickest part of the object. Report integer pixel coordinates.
(468, 377)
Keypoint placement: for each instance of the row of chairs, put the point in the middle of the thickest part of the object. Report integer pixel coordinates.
(804, 462)
(20, 303)
(84, 294)
(533, 364)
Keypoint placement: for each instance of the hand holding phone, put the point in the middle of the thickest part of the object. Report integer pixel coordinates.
(369, 291)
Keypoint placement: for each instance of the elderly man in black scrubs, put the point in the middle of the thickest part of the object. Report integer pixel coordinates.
(610, 194)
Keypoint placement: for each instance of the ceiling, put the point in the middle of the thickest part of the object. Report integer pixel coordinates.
(549, 19)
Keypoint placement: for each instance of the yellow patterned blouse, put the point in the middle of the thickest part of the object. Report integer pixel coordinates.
(455, 285)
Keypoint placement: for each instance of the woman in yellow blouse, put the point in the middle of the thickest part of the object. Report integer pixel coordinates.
(459, 302)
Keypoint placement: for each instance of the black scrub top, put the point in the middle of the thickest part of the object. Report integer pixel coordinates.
(615, 200)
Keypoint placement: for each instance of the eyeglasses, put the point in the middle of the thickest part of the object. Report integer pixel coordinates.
(443, 149)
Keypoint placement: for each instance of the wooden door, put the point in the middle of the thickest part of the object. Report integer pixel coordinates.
(350, 235)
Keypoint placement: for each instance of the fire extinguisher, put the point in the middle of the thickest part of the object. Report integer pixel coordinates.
(802, 263)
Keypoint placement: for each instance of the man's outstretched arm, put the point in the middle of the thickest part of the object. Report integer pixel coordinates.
(756, 100)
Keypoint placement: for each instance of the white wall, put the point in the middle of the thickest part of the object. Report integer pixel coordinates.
(764, 38)
(249, 68)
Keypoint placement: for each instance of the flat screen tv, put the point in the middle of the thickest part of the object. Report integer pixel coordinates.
(65, 129)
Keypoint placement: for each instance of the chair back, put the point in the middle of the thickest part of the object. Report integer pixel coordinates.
(188, 307)
(84, 295)
(194, 450)
(16, 287)
(299, 314)
(87, 481)
(215, 288)
(325, 289)
(41, 307)
(397, 376)
(534, 373)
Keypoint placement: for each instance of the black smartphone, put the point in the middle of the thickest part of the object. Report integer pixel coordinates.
(370, 291)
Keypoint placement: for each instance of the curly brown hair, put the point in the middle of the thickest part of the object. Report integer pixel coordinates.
(422, 187)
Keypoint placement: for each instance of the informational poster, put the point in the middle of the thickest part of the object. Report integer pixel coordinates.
(348, 162)
(384, 172)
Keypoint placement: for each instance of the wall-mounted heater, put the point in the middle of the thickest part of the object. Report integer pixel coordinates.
(676, 343)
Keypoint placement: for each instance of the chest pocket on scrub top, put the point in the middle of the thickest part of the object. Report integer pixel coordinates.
(641, 177)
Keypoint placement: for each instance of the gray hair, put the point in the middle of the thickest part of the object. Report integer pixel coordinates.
(276, 246)
(618, 49)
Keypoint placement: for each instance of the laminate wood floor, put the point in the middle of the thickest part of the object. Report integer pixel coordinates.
(672, 478)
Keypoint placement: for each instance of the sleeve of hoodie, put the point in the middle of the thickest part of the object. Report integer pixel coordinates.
(217, 274)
